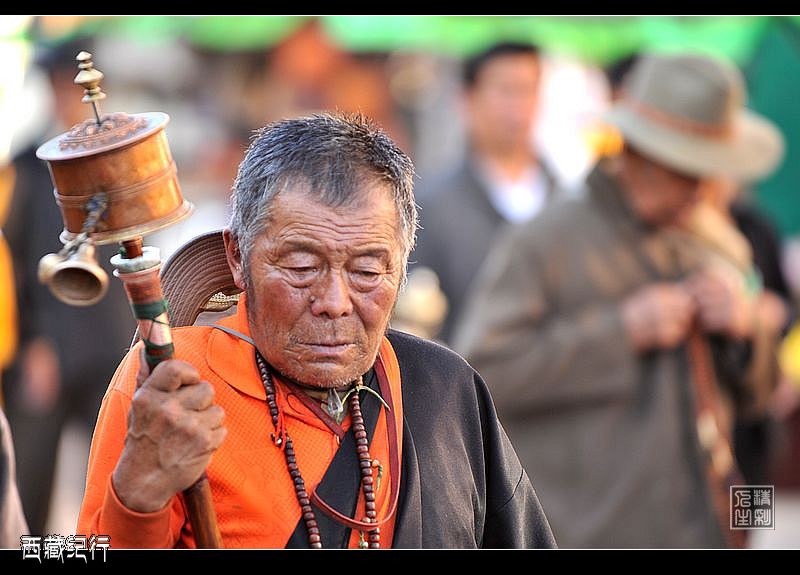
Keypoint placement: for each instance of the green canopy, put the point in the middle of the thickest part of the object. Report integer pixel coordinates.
(767, 49)
(599, 39)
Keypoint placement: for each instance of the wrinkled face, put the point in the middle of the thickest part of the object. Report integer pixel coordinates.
(658, 195)
(501, 107)
(323, 282)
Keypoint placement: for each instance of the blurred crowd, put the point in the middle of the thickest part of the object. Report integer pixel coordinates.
(585, 246)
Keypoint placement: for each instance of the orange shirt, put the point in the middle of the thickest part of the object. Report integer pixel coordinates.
(253, 494)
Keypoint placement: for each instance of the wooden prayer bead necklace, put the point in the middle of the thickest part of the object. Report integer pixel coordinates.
(282, 439)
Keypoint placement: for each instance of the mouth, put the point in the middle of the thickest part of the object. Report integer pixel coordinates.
(328, 348)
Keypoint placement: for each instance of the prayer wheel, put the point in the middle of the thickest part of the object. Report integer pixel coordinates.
(115, 181)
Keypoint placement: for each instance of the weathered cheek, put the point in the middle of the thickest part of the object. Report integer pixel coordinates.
(281, 303)
(376, 307)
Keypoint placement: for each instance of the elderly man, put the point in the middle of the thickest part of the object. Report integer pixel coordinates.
(336, 432)
(592, 327)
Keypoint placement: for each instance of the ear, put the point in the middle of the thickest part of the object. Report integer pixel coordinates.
(234, 257)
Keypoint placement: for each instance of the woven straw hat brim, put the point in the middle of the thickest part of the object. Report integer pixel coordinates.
(194, 273)
(752, 150)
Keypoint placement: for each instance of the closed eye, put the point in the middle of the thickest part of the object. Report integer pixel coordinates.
(367, 273)
(301, 276)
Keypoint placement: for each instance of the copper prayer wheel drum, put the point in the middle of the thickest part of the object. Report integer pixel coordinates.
(125, 159)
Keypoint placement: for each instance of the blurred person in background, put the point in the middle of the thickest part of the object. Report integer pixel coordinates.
(66, 354)
(8, 299)
(593, 326)
(727, 220)
(501, 179)
(738, 232)
(12, 518)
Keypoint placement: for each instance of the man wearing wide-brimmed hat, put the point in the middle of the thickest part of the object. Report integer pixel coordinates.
(581, 320)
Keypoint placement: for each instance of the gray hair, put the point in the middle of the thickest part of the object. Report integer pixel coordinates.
(334, 155)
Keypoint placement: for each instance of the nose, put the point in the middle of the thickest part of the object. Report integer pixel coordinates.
(332, 296)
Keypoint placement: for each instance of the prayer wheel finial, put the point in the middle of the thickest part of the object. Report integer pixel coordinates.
(89, 79)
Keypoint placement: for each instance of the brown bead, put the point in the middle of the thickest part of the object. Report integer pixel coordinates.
(362, 450)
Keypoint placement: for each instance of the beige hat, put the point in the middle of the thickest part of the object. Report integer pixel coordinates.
(687, 112)
(193, 275)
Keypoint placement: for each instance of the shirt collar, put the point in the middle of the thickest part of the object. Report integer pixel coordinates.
(232, 358)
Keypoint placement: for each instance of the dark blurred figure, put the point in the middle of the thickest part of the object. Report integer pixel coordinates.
(501, 180)
(615, 74)
(66, 354)
(596, 325)
(736, 229)
(12, 519)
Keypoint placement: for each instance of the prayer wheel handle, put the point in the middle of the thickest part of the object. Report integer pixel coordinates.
(138, 267)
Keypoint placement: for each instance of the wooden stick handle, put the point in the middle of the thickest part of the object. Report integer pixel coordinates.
(147, 301)
(202, 516)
